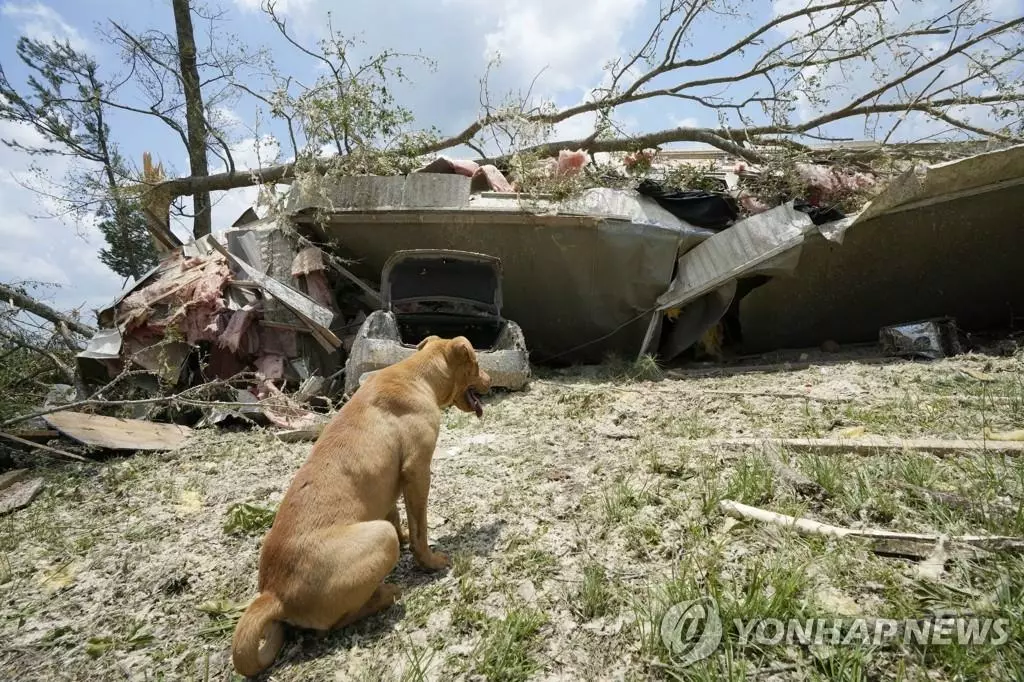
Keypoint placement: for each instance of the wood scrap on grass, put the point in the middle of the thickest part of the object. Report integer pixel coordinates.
(744, 512)
(869, 445)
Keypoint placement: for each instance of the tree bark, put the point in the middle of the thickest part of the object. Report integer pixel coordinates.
(15, 297)
(194, 113)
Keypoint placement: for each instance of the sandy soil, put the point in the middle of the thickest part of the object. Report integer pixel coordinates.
(576, 512)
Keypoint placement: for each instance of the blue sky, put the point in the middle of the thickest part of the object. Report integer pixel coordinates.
(569, 40)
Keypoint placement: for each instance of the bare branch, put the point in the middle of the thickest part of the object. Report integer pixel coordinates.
(22, 300)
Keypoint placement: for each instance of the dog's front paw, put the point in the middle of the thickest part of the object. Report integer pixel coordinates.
(433, 561)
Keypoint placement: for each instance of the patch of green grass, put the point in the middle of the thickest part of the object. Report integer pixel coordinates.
(504, 653)
(770, 587)
(421, 602)
(466, 617)
(620, 501)
(676, 465)
(643, 535)
(462, 564)
(417, 661)
(864, 495)
(753, 481)
(534, 563)
(829, 472)
(689, 424)
(245, 518)
(596, 595)
(136, 636)
(583, 403)
(644, 368)
(224, 615)
(850, 664)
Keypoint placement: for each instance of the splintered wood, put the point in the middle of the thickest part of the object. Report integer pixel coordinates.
(118, 434)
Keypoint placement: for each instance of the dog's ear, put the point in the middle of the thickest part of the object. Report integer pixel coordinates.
(462, 350)
(424, 342)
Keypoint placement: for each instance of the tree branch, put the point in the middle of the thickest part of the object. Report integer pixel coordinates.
(21, 300)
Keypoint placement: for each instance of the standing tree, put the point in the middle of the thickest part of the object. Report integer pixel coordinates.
(186, 86)
(195, 118)
(64, 101)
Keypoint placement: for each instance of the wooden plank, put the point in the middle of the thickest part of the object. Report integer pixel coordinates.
(40, 446)
(806, 526)
(308, 434)
(797, 366)
(868, 445)
(309, 311)
(297, 301)
(118, 434)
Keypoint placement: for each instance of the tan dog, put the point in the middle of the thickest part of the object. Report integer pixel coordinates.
(336, 534)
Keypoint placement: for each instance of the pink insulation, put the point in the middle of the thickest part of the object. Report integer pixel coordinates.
(270, 366)
(309, 267)
(443, 164)
(640, 159)
(319, 290)
(570, 163)
(236, 328)
(826, 182)
(463, 167)
(489, 177)
(187, 294)
(751, 204)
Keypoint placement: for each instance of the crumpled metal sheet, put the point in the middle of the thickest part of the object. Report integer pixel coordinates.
(580, 284)
(932, 339)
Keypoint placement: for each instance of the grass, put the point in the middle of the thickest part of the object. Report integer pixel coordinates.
(141, 565)
(247, 518)
(596, 596)
(504, 653)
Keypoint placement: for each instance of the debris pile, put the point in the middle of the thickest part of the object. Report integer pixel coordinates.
(251, 308)
(256, 323)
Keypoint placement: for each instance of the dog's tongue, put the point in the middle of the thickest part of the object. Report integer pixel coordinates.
(474, 401)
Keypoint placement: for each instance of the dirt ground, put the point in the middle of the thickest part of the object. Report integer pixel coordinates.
(576, 512)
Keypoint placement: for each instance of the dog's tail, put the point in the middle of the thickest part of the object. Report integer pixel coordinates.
(260, 621)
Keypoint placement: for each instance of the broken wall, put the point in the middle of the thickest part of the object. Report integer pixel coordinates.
(960, 258)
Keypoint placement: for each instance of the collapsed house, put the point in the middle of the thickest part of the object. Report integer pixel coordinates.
(649, 269)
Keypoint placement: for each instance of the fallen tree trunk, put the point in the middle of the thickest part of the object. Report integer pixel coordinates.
(26, 302)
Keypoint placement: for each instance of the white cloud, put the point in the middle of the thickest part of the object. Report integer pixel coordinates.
(42, 249)
(570, 41)
(42, 22)
(575, 128)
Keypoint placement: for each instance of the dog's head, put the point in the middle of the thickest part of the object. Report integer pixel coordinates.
(468, 380)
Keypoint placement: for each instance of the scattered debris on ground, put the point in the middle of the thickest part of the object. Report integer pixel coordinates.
(576, 512)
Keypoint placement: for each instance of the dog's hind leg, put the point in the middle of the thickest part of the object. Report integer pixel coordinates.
(384, 596)
(353, 562)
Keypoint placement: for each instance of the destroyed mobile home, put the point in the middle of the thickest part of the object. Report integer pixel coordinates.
(351, 274)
